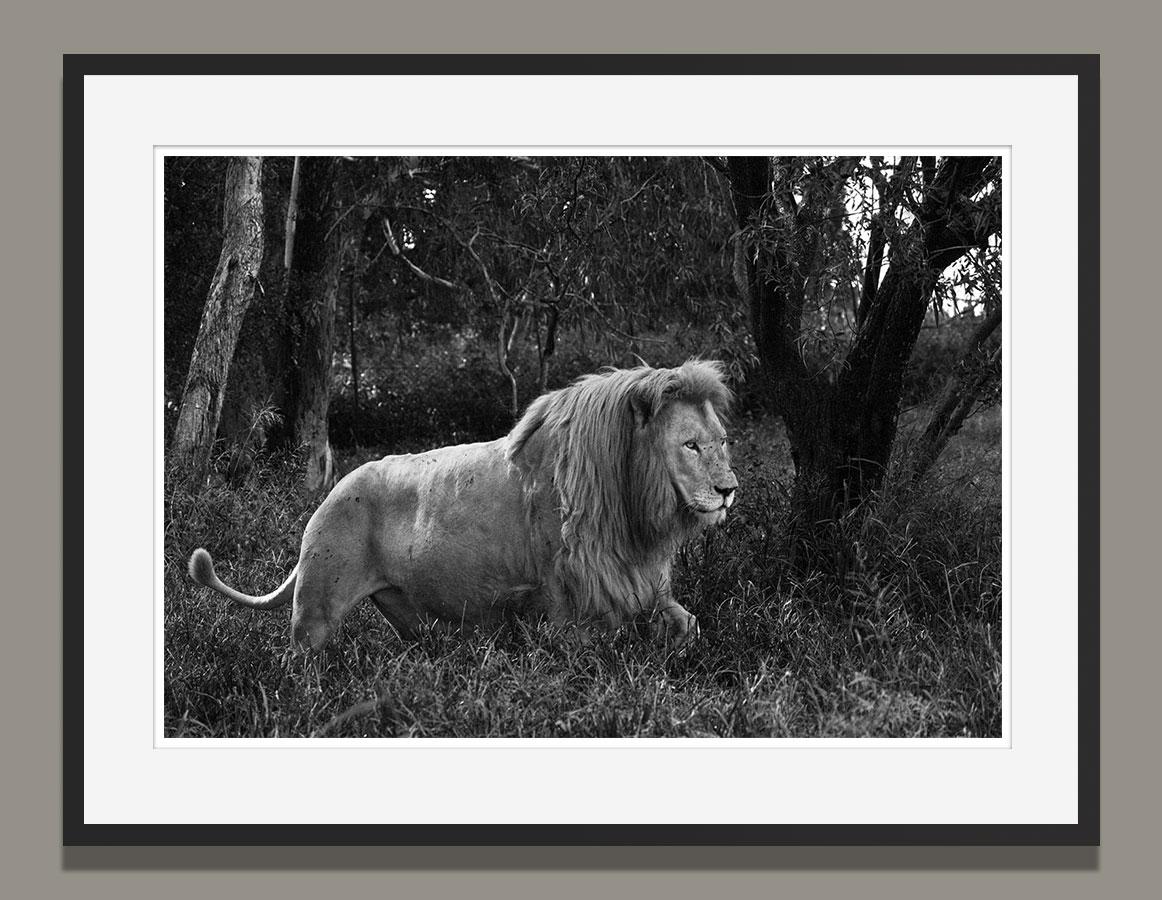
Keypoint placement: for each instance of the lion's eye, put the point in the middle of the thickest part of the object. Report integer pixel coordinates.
(692, 445)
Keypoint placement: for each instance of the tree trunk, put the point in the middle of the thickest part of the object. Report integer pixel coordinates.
(548, 347)
(292, 216)
(353, 346)
(262, 374)
(312, 291)
(504, 353)
(230, 292)
(976, 371)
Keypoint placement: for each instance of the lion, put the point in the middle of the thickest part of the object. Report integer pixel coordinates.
(576, 515)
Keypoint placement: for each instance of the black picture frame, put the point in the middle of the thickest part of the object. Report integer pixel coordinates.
(1085, 832)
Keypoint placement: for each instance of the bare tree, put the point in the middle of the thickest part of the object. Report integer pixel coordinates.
(231, 290)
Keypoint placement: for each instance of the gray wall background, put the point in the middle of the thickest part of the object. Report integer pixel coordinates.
(34, 36)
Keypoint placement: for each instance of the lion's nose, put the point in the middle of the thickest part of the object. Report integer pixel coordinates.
(725, 491)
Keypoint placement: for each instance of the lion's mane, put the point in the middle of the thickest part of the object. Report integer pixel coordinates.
(591, 450)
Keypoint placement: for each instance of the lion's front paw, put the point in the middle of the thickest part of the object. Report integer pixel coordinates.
(689, 633)
(676, 626)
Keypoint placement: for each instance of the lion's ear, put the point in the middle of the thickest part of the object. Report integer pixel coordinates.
(650, 396)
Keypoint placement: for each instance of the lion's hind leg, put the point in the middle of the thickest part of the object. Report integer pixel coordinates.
(404, 618)
(330, 583)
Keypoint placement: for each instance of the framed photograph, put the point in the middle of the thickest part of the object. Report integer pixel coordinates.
(581, 450)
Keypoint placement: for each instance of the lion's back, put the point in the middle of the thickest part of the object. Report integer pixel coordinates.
(451, 525)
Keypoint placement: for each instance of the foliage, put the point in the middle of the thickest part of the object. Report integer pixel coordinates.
(446, 387)
(527, 271)
(523, 257)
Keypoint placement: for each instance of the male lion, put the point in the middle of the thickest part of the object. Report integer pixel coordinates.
(576, 514)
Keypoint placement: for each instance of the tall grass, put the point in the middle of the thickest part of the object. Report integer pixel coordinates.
(904, 641)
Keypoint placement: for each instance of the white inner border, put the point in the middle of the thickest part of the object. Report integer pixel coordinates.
(133, 774)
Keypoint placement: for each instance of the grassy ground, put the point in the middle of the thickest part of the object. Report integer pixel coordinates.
(906, 643)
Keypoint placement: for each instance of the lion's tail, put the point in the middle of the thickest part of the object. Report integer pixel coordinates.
(202, 571)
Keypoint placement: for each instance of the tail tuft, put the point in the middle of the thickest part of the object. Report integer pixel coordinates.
(202, 571)
(202, 568)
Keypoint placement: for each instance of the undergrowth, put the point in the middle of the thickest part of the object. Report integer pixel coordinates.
(904, 641)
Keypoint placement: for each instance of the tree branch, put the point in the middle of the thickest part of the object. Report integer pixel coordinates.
(393, 245)
(717, 165)
(766, 275)
(890, 191)
(943, 232)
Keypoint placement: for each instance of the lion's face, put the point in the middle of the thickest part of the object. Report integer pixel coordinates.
(693, 447)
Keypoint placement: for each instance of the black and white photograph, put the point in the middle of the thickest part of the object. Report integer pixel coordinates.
(602, 445)
(664, 471)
